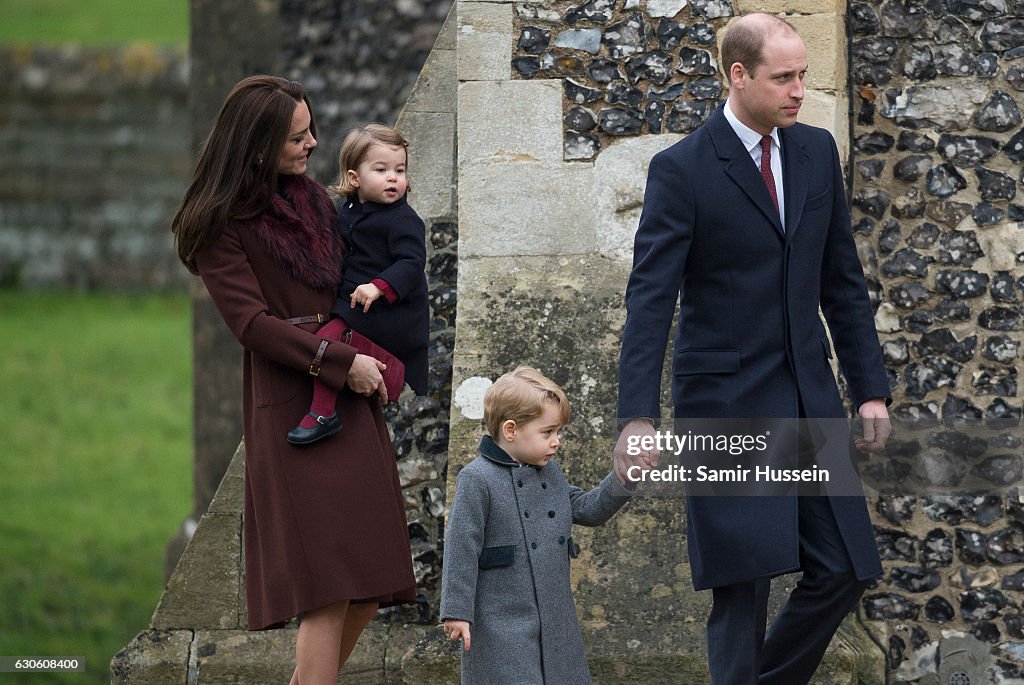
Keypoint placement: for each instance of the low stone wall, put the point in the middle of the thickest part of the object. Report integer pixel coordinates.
(95, 155)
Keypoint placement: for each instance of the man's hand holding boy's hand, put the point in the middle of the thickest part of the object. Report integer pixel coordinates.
(628, 451)
(365, 295)
(458, 629)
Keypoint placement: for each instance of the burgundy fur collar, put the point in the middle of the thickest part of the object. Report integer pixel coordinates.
(298, 231)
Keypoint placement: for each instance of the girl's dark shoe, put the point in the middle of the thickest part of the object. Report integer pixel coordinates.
(325, 426)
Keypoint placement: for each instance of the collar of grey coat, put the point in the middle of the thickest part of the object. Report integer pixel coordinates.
(490, 451)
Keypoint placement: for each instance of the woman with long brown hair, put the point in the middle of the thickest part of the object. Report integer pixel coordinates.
(325, 529)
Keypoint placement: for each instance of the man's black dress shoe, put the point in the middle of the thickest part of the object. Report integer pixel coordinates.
(325, 426)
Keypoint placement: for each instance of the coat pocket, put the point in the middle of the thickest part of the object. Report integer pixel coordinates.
(497, 557)
(693, 362)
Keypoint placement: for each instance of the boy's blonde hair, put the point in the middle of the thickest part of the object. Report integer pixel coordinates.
(355, 148)
(520, 396)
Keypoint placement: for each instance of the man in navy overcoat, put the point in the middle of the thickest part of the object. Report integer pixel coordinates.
(745, 224)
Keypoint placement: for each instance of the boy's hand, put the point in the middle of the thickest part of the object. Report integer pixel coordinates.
(365, 295)
(456, 629)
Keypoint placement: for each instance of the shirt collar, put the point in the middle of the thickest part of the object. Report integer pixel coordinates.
(748, 136)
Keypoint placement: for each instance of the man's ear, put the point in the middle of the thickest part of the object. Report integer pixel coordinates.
(737, 72)
(508, 430)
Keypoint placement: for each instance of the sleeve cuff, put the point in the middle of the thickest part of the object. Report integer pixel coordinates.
(389, 293)
(617, 489)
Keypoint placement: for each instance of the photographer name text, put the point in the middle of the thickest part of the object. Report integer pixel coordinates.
(737, 474)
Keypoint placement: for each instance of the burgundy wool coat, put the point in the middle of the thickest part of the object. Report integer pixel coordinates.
(323, 522)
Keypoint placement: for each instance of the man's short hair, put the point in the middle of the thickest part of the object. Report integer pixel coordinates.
(744, 41)
(519, 396)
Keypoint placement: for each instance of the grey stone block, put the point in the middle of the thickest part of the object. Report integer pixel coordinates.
(436, 86)
(510, 121)
(236, 657)
(508, 209)
(230, 496)
(204, 590)
(484, 41)
(402, 640)
(446, 38)
(433, 659)
(431, 162)
(154, 657)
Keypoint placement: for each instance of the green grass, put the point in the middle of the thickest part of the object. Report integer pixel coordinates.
(95, 469)
(94, 22)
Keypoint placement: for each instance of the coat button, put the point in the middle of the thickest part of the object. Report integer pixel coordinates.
(526, 514)
(561, 539)
(533, 545)
(519, 483)
(544, 485)
(551, 514)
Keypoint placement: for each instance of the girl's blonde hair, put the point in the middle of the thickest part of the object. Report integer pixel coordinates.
(520, 396)
(355, 148)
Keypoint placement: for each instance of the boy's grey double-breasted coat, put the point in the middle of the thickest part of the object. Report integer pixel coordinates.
(506, 568)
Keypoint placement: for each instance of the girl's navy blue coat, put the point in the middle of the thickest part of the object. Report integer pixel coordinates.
(387, 241)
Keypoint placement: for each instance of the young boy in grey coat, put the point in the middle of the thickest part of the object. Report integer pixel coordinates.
(505, 590)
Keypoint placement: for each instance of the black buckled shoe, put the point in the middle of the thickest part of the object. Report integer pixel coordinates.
(325, 426)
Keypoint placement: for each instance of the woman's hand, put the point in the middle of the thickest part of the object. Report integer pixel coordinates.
(364, 377)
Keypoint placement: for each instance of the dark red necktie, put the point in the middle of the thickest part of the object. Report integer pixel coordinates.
(766, 170)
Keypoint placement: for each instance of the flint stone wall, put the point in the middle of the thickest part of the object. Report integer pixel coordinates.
(937, 146)
(545, 244)
(938, 78)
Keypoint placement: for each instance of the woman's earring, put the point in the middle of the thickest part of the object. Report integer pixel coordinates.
(259, 160)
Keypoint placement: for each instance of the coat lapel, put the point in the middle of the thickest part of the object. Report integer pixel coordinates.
(795, 168)
(741, 169)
